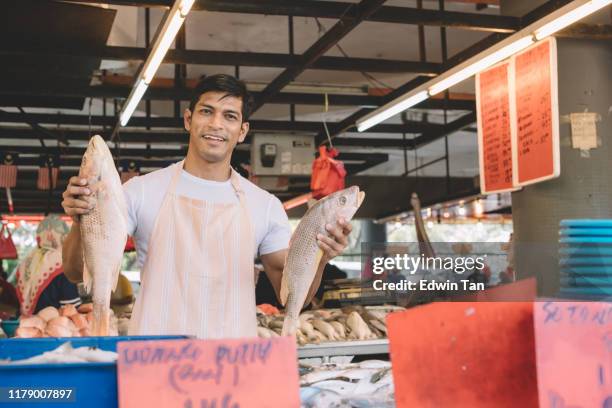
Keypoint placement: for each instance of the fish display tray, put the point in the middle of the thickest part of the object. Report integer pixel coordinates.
(94, 384)
(344, 348)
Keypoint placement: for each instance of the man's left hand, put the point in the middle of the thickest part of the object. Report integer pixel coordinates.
(337, 241)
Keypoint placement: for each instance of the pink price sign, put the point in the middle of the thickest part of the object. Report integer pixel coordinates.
(236, 373)
(574, 354)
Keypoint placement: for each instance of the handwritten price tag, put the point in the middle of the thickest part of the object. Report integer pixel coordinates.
(534, 108)
(236, 373)
(574, 354)
(494, 131)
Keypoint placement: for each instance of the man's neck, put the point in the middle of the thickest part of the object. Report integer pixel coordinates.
(198, 167)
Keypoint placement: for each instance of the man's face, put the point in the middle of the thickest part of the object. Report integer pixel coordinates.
(215, 126)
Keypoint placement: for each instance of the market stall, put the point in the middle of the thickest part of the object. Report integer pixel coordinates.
(193, 217)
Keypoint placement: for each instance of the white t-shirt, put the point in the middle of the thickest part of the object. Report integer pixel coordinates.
(144, 196)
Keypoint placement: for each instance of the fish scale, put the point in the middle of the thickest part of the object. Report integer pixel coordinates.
(304, 253)
(103, 231)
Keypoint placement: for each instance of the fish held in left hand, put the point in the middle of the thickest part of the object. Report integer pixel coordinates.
(103, 230)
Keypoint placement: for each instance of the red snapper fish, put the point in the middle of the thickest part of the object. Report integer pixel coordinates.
(304, 252)
(103, 231)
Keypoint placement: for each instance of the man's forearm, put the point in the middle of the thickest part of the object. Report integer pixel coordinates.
(72, 254)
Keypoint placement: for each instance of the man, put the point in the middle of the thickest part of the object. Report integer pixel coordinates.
(198, 226)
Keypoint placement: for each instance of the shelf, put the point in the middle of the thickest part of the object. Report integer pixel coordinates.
(344, 348)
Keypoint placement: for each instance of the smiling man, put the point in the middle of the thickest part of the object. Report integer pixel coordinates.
(198, 226)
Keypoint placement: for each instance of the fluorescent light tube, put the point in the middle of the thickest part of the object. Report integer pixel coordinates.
(185, 7)
(171, 25)
(481, 64)
(133, 99)
(161, 48)
(393, 109)
(571, 17)
(520, 40)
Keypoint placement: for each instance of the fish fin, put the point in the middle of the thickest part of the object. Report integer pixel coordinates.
(116, 276)
(284, 290)
(311, 202)
(318, 259)
(290, 326)
(87, 278)
(100, 324)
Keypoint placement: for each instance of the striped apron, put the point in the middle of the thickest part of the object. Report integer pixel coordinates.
(198, 275)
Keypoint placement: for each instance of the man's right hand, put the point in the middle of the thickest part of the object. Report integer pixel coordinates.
(77, 199)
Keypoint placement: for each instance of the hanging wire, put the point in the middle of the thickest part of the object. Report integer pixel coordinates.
(89, 115)
(116, 137)
(369, 77)
(331, 145)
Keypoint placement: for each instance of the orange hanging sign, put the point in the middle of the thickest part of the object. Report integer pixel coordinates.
(494, 131)
(535, 114)
(236, 373)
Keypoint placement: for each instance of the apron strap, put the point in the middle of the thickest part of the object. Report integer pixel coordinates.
(235, 181)
(176, 174)
(246, 217)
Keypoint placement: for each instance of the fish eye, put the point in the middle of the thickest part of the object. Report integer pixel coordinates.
(342, 200)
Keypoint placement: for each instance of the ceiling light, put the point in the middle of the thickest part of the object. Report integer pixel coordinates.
(478, 208)
(185, 7)
(462, 73)
(520, 40)
(570, 17)
(161, 47)
(133, 99)
(391, 109)
(461, 211)
(172, 23)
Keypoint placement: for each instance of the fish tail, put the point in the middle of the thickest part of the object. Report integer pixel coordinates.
(101, 320)
(290, 325)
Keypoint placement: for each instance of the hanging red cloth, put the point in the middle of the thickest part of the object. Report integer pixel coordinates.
(44, 182)
(48, 173)
(129, 245)
(8, 175)
(8, 178)
(7, 247)
(327, 173)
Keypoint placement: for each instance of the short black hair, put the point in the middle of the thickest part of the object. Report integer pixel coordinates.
(226, 84)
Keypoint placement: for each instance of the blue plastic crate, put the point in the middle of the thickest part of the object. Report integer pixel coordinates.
(95, 384)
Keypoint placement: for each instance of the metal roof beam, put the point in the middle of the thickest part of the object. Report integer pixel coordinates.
(170, 122)
(349, 122)
(332, 9)
(230, 58)
(352, 16)
(60, 92)
(182, 138)
(452, 127)
(184, 94)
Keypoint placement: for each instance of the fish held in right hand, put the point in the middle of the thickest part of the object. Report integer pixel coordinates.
(103, 230)
(305, 254)
(77, 199)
